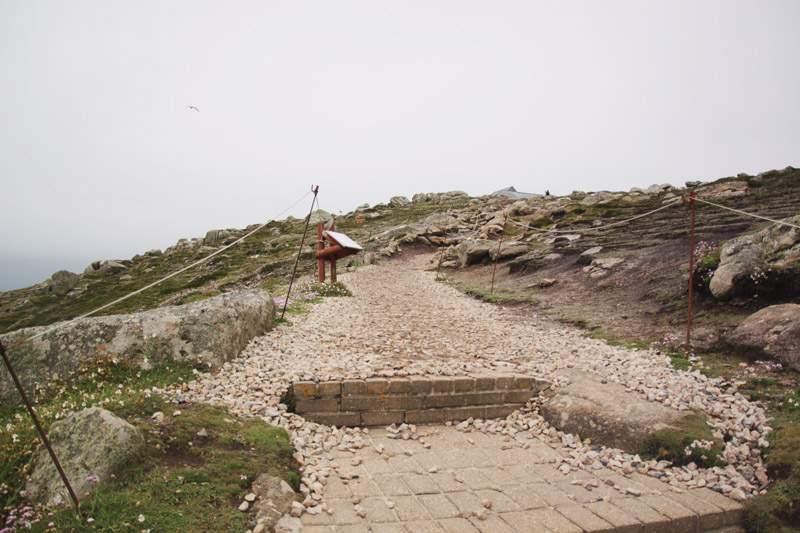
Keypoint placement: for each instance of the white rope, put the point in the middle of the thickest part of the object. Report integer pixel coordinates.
(749, 214)
(598, 228)
(184, 269)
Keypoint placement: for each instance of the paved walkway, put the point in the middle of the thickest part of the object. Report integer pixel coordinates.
(526, 476)
(448, 480)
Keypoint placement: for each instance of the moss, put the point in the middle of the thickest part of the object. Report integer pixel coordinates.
(672, 444)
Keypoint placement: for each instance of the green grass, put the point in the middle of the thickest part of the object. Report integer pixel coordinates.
(183, 482)
(779, 509)
(675, 444)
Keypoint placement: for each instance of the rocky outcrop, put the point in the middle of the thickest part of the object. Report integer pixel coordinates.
(773, 332)
(740, 258)
(91, 446)
(605, 412)
(207, 333)
(107, 266)
(473, 251)
(438, 197)
(399, 201)
(509, 250)
(726, 189)
(216, 235)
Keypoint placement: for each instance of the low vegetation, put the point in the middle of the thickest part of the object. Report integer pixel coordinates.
(198, 464)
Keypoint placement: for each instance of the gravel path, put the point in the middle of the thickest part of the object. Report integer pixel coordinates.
(401, 322)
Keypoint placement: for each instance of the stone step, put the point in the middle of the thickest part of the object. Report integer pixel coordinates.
(414, 400)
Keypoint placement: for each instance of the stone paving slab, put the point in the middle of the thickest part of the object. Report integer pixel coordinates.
(477, 482)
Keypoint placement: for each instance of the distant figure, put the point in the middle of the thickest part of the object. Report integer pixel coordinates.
(547, 192)
(193, 107)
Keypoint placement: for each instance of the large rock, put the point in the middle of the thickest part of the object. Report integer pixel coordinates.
(510, 249)
(727, 189)
(399, 201)
(473, 251)
(275, 498)
(599, 197)
(207, 333)
(777, 245)
(90, 443)
(106, 266)
(320, 216)
(216, 235)
(773, 332)
(63, 281)
(605, 412)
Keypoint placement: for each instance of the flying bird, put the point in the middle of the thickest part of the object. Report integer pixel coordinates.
(193, 107)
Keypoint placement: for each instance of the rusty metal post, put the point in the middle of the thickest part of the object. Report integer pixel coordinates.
(320, 247)
(39, 428)
(690, 202)
(300, 250)
(497, 257)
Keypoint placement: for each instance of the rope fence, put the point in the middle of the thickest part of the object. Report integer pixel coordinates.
(165, 278)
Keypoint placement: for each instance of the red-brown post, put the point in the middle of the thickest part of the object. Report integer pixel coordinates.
(320, 247)
(691, 202)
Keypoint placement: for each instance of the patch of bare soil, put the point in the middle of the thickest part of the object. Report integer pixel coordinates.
(643, 299)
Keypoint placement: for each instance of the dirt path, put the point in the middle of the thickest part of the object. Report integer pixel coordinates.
(401, 322)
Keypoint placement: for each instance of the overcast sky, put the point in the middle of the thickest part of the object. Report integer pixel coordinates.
(100, 158)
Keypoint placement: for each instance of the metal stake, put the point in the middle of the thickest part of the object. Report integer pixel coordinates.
(691, 203)
(39, 428)
(289, 292)
(497, 257)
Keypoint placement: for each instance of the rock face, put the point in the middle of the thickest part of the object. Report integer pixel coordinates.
(399, 201)
(208, 333)
(772, 332)
(776, 245)
(605, 412)
(473, 251)
(92, 442)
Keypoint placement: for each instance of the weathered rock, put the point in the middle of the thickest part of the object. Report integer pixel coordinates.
(208, 332)
(510, 249)
(520, 208)
(473, 251)
(275, 498)
(92, 442)
(441, 222)
(289, 524)
(399, 201)
(216, 235)
(777, 245)
(320, 216)
(727, 189)
(108, 266)
(599, 197)
(439, 197)
(605, 412)
(772, 332)
(655, 189)
(63, 281)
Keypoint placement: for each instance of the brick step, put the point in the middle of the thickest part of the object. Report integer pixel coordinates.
(414, 400)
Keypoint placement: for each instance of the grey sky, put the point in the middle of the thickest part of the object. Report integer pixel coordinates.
(100, 158)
